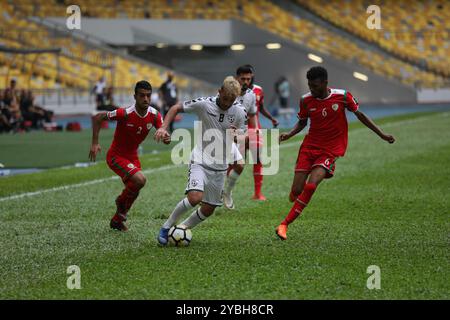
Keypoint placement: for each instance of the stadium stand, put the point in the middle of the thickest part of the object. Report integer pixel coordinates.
(78, 65)
(266, 15)
(415, 31)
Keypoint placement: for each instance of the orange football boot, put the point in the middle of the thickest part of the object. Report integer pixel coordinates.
(281, 231)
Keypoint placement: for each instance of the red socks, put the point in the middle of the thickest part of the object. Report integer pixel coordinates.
(300, 203)
(258, 178)
(292, 196)
(128, 195)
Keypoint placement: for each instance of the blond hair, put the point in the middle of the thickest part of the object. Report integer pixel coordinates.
(231, 86)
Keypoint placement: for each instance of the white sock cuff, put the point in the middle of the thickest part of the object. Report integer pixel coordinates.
(187, 204)
(200, 214)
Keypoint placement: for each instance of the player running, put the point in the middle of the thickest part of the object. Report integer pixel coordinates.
(133, 125)
(206, 171)
(325, 141)
(252, 99)
(257, 144)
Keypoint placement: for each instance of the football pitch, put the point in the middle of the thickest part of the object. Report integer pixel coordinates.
(387, 206)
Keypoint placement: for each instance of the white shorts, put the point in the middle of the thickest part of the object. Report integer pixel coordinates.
(208, 181)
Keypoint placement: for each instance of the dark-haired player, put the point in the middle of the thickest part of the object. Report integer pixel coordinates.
(251, 99)
(325, 141)
(258, 142)
(133, 125)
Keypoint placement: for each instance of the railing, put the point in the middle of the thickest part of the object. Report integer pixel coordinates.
(122, 96)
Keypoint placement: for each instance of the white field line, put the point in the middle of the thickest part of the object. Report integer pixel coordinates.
(77, 185)
(168, 167)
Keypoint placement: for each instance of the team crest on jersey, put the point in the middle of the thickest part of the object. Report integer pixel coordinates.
(130, 165)
(194, 182)
(335, 107)
(149, 125)
(231, 118)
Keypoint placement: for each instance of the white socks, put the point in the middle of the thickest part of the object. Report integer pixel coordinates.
(231, 181)
(181, 208)
(194, 219)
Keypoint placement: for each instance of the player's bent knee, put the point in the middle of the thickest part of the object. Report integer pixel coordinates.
(238, 168)
(139, 181)
(194, 197)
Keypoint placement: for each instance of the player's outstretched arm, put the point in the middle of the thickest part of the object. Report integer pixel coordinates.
(301, 124)
(96, 124)
(266, 114)
(372, 126)
(162, 133)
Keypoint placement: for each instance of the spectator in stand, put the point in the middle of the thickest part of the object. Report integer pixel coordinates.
(99, 91)
(168, 93)
(32, 112)
(109, 104)
(5, 116)
(11, 102)
(26, 108)
(155, 101)
(282, 91)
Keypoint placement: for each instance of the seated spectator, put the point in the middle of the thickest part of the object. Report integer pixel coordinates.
(12, 104)
(5, 116)
(26, 108)
(32, 112)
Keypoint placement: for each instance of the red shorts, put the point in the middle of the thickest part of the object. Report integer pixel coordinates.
(123, 167)
(310, 157)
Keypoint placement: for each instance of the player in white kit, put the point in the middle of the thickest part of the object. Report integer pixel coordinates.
(207, 170)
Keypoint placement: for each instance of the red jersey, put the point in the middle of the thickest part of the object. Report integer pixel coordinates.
(328, 123)
(259, 93)
(132, 129)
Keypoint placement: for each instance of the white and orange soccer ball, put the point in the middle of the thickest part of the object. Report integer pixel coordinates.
(180, 236)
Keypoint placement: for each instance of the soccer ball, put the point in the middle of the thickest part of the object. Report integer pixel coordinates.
(180, 236)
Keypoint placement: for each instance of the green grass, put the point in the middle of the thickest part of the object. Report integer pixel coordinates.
(388, 205)
(38, 149)
(45, 150)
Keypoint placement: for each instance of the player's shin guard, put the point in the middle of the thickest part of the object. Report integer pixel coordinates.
(231, 181)
(194, 219)
(258, 178)
(300, 203)
(181, 208)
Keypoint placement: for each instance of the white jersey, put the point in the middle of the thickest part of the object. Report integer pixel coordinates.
(212, 151)
(248, 102)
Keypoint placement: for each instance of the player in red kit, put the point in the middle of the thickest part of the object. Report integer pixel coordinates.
(133, 125)
(245, 75)
(257, 143)
(325, 141)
